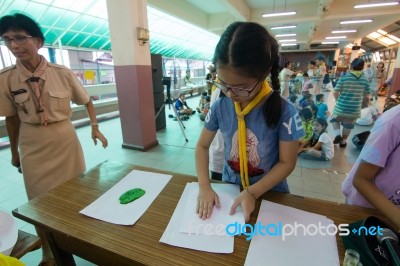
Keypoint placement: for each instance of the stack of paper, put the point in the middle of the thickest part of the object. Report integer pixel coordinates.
(108, 208)
(187, 230)
(279, 244)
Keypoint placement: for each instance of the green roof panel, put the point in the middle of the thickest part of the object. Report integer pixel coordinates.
(61, 19)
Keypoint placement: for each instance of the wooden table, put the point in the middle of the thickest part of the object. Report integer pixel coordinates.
(69, 232)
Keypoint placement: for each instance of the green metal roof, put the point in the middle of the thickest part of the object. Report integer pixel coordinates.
(83, 24)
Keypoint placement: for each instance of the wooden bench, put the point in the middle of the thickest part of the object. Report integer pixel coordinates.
(26, 243)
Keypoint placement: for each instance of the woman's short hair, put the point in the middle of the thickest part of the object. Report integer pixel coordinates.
(21, 22)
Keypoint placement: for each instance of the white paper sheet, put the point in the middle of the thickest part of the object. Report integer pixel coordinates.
(209, 243)
(220, 218)
(108, 208)
(294, 250)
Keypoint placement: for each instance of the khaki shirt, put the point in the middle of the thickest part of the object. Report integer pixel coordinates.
(60, 87)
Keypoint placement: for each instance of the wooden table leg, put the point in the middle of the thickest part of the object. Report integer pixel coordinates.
(62, 258)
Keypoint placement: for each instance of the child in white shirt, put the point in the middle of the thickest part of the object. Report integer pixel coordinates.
(369, 114)
(306, 85)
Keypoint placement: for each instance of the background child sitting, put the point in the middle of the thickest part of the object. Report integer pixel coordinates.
(181, 106)
(322, 107)
(206, 107)
(369, 114)
(392, 101)
(307, 121)
(202, 101)
(307, 102)
(306, 86)
(320, 146)
(293, 100)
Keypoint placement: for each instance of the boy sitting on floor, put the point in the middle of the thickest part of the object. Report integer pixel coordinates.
(181, 106)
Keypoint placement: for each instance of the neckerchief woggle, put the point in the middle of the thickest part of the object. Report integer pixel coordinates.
(242, 138)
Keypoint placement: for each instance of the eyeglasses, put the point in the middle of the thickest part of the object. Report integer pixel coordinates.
(18, 39)
(238, 91)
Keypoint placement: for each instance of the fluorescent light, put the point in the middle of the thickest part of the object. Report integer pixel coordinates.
(336, 37)
(286, 35)
(374, 35)
(387, 40)
(393, 37)
(288, 40)
(343, 31)
(288, 44)
(377, 4)
(279, 14)
(329, 42)
(283, 27)
(355, 21)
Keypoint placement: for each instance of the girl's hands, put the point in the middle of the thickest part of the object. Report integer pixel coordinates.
(96, 134)
(248, 202)
(205, 202)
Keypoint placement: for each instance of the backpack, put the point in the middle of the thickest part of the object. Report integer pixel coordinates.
(360, 139)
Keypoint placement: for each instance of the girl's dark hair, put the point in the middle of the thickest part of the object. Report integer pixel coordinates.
(322, 122)
(318, 97)
(249, 46)
(306, 113)
(287, 63)
(18, 22)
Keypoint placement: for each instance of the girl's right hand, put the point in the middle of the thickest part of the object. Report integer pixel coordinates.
(205, 202)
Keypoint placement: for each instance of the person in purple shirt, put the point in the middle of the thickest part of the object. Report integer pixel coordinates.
(374, 179)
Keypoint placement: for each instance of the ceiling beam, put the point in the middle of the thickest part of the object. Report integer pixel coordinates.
(238, 8)
(322, 11)
(183, 10)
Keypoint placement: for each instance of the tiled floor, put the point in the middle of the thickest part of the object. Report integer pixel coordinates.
(320, 180)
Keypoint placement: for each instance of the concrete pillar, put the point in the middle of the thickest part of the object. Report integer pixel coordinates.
(133, 73)
(396, 75)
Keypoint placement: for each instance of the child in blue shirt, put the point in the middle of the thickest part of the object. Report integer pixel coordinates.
(322, 107)
(252, 119)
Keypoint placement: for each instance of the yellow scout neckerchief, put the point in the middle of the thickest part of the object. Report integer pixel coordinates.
(242, 138)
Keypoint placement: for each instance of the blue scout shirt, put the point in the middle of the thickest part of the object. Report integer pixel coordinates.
(262, 141)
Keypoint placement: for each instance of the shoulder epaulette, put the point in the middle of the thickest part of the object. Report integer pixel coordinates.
(6, 69)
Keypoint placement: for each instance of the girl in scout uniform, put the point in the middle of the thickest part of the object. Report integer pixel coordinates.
(260, 129)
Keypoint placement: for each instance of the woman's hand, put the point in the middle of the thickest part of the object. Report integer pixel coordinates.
(205, 202)
(15, 159)
(96, 134)
(248, 202)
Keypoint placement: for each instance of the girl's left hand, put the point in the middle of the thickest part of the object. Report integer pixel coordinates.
(248, 204)
(96, 134)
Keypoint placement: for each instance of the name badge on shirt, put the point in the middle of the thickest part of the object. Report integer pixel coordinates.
(17, 92)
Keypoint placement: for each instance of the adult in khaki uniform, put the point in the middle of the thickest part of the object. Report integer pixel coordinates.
(35, 98)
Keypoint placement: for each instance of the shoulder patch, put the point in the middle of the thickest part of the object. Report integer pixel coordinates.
(7, 68)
